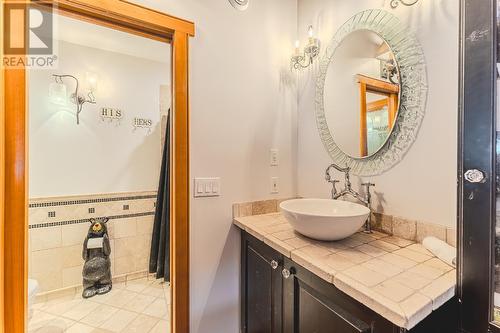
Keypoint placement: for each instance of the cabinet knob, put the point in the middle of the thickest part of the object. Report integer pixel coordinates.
(285, 273)
(274, 264)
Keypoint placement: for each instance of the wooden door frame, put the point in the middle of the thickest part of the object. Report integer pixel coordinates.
(131, 18)
(369, 84)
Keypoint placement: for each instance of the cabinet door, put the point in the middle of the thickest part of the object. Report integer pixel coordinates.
(312, 305)
(261, 287)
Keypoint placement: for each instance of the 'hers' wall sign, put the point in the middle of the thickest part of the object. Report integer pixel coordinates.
(143, 123)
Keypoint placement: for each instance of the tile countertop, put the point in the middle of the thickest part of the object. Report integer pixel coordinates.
(397, 278)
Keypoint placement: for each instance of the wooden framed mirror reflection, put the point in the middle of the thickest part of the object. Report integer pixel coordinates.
(379, 104)
(127, 17)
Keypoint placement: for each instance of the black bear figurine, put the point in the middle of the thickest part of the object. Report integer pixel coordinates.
(97, 268)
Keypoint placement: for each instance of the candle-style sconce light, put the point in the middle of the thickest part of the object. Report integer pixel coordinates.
(305, 58)
(395, 3)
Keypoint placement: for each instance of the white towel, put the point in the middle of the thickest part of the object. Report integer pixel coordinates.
(442, 250)
(95, 243)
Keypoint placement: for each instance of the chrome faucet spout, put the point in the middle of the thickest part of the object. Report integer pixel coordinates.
(366, 200)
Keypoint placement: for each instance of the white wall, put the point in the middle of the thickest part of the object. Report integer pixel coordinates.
(242, 104)
(423, 185)
(96, 156)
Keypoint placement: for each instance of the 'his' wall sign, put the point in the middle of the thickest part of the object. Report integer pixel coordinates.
(111, 114)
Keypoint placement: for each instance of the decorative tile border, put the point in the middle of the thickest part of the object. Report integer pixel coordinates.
(393, 225)
(87, 201)
(114, 217)
(60, 211)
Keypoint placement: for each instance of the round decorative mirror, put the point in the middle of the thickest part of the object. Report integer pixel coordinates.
(371, 93)
(239, 4)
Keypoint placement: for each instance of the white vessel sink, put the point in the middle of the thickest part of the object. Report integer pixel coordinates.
(325, 219)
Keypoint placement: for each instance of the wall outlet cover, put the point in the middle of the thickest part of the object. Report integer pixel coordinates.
(275, 185)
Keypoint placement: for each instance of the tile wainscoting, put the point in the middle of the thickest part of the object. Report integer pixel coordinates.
(58, 227)
(392, 225)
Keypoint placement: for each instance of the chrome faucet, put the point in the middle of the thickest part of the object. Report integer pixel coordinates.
(366, 200)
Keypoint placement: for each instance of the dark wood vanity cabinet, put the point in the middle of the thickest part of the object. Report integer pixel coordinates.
(262, 287)
(279, 296)
(311, 304)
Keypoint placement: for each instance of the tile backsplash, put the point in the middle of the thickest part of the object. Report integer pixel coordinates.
(392, 225)
(58, 227)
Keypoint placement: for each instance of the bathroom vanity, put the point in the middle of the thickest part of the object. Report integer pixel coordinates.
(301, 285)
(371, 93)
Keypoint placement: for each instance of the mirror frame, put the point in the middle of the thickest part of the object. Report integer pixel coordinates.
(410, 59)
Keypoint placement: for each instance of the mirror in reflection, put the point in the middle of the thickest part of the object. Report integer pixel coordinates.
(361, 94)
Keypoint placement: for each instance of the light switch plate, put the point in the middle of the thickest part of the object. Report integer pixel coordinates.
(206, 187)
(274, 157)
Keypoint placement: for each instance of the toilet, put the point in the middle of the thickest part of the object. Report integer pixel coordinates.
(32, 291)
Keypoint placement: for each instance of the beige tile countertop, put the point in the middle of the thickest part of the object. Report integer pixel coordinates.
(397, 278)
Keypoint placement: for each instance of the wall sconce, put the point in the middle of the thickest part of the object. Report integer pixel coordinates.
(306, 58)
(395, 3)
(58, 95)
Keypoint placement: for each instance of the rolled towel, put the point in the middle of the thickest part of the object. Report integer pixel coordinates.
(440, 249)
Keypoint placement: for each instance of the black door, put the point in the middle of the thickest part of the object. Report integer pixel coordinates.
(476, 171)
(312, 305)
(261, 287)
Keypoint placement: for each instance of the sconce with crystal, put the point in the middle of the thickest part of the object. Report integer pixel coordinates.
(306, 58)
(58, 94)
(395, 3)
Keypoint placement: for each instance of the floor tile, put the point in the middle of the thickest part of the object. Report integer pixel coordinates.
(119, 321)
(142, 324)
(121, 298)
(154, 291)
(98, 316)
(139, 303)
(162, 327)
(81, 310)
(80, 328)
(156, 309)
(137, 286)
(59, 307)
(48, 323)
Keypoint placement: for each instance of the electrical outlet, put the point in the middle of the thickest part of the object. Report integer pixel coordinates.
(274, 157)
(274, 185)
